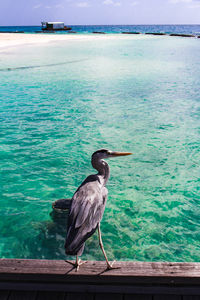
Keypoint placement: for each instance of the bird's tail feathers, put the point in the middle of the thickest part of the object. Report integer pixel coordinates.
(75, 241)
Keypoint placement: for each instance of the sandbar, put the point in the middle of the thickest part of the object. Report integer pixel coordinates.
(8, 40)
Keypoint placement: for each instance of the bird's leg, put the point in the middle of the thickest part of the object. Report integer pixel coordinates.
(77, 263)
(109, 266)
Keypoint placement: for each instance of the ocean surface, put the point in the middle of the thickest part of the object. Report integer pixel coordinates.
(60, 102)
(84, 29)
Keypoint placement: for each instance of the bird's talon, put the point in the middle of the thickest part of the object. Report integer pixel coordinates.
(82, 262)
(110, 266)
(76, 265)
(77, 268)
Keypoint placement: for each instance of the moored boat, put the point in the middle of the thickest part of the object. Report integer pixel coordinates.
(54, 26)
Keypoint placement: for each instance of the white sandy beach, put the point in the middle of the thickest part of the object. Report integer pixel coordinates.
(17, 39)
(8, 40)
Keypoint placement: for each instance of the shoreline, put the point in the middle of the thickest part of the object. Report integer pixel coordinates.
(10, 40)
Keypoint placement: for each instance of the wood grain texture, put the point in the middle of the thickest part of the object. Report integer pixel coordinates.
(4, 295)
(22, 295)
(94, 268)
(47, 295)
(138, 297)
(80, 296)
(167, 297)
(133, 280)
(191, 297)
(109, 297)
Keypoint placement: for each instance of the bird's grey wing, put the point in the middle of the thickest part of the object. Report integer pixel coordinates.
(88, 205)
(87, 208)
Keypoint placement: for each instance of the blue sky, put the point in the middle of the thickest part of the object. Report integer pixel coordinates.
(32, 12)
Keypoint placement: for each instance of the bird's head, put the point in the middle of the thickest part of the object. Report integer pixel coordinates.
(104, 153)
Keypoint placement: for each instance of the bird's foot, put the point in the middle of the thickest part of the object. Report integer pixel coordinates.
(110, 266)
(79, 263)
(76, 264)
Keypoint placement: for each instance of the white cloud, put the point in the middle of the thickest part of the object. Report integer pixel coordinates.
(180, 1)
(82, 4)
(190, 3)
(48, 6)
(108, 2)
(59, 6)
(111, 2)
(134, 3)
(194, 5)
(37, 6)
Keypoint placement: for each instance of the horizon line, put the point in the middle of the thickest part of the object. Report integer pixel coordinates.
(158, 24)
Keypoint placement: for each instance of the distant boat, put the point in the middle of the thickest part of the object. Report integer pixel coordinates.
(54, 26)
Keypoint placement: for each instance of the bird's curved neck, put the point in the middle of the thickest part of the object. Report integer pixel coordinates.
(102, 167)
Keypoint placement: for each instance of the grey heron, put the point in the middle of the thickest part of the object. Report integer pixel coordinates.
(87, 206)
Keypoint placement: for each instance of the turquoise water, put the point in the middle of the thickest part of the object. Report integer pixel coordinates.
(85, 29)
(137, 94)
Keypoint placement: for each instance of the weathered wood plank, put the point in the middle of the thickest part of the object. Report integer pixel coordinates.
(22, 295)
(49, 295)
(102, 288)
(125, 268)
(191, 297)
(79, 296)
(4, 295)
(166, 297)
(133, 280)
(109, 297)
(138, 297)
(97, 268)
(95, 272)
(123, 289)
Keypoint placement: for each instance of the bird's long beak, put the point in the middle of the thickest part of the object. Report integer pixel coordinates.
(120, 153)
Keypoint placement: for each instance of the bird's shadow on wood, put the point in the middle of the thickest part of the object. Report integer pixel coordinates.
(70, 270)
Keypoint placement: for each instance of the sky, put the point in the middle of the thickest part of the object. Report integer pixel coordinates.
(99, 12)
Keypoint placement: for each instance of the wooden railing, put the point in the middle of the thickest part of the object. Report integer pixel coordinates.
(56, 279)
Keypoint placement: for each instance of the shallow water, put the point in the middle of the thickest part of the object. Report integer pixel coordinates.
(137, 94)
